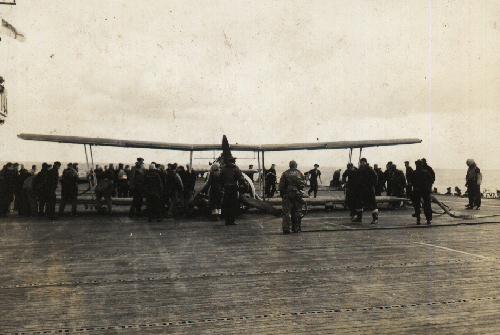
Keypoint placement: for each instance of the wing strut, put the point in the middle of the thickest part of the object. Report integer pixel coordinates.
(259, 169)
(264, 179)
(191, 161)
(86, 157)
(360, 151)
(350, 155)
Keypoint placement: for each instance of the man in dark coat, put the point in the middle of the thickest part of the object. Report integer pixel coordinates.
(231, 178)
(39, 186)
(173, 189)
(350, 186)
(7, 185)
(21, 200)
(389, 171)
(215, 192)
(380, 180)
(408, 174)
(398, 182)
(153, 190)
(69, 189)
(473, 181)
(366, 182)
(428, 168)
(104, 189)
(421, 180)
(136, 182)
(50, 190)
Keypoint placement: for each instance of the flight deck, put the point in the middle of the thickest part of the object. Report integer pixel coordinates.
(114, 275)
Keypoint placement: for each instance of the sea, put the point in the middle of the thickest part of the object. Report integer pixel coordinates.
(444, 177)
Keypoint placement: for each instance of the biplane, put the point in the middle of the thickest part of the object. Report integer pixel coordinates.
(252, 199)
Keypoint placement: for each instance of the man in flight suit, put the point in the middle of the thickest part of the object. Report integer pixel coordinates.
(291, 184)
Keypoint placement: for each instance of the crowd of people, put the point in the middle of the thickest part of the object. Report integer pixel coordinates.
(168, 190)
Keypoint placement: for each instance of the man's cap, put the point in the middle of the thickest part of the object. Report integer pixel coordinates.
(140, 159)
(316, 165)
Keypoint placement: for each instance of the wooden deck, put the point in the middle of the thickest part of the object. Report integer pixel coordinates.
(115, 275)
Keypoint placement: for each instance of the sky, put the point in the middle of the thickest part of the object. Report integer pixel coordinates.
(257, 71)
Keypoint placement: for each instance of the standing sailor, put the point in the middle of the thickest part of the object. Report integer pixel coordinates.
(50, 190)
(291, 184)
(409, 184)
(69, 189)
(314, 174)
(473, 181)
(349, 182)
(421, 180)
(136, 182)
(153, 190)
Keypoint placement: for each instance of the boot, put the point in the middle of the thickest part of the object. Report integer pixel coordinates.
(418, 219)
(358, 217)
(374, 218)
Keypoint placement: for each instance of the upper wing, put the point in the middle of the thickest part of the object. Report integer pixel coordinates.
(209, 147)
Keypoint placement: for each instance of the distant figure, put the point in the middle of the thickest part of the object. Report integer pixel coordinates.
(173, 189)
(473, 181)
(136, 186)
(122, 181)
(153, 190)
(408, 175)
(398, 182)
(21, 200)
(104, 189)
(422, 183)
(7, 180)
(33, 170)
(215, 191)
(379, 188)
(435, 190)
(184, 196)
(388, 174)
(69, 189)
(313, 176)
(250, 173)
(39, 188)
(448, 191)
(365, 192)
(50, 190)
(335, 183)
(271, 179)
(291, 184)
(98, 171)
(349, 181)
(458, 191)
(30, 195)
